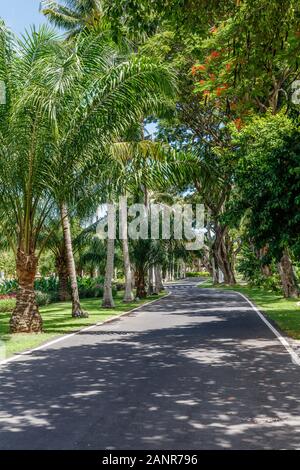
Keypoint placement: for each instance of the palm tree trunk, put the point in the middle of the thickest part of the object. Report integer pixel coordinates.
(26, 317)
(63, 291)
(77, 311)
(108, 301)
(63, 276)
(159, 287)
(150, 280)
(140, 284)
(288, 277)
(128, 296)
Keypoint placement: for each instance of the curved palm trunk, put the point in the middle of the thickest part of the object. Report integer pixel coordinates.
(26, 317)
(128, 296)
(288, 277)
(77, 311)
(108, 301)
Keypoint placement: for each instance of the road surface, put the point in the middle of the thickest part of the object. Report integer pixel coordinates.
(196, 370)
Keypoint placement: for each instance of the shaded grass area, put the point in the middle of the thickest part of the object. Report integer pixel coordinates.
(284, 312)
(58, 321)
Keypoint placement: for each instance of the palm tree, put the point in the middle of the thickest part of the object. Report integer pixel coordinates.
(26, 202)
(75, 15)
(63, 104)
(92, 254)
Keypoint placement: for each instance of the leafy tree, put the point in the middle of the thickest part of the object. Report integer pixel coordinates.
(268, 187)
(249, 61)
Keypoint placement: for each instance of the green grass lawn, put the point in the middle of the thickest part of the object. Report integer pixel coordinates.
(58, 321)
(284, 312)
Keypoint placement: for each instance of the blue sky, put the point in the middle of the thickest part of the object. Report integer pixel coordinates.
(20, 14)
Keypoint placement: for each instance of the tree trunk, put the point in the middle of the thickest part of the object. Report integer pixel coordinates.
(63, 290)
(77, 311)
(151, 281)
(215, 270)
(26, 317)
(128, 296)
(265, 268)
(222, 255)
(288, 277)
(171, 271)
(177, 270)
(63, 277)
(159, 287)
(108, 301)
(140, 284)
(207, 261)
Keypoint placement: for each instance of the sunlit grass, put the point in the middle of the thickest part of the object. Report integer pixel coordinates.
(57, 321)
(284, 312)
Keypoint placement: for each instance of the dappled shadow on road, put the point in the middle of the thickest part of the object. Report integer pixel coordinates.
(198, 379)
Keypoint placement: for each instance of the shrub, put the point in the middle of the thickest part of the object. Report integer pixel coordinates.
(54, 297)
(92, 287)
(42, 298)
(46, 290)
(119, 286)
(8, 286)
(86, 292)
(198, 274)
(7, 305)
(46, 284)
(249, 266)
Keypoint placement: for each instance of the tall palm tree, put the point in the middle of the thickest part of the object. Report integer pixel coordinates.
(64, 103)
(26, 132)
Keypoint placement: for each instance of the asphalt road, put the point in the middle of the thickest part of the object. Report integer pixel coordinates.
(197, 370)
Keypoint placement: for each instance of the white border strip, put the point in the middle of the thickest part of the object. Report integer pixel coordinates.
(295, 357)
(83, 330)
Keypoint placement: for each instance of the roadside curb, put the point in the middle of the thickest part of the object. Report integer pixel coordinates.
(82, 330)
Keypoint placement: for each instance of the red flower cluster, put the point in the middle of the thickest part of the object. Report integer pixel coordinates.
(214, 30)
(220, 90)
(197, 68)
(215, 54)
(238, 123)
